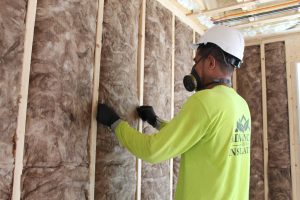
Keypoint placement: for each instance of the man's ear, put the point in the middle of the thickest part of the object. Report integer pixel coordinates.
(212, 63)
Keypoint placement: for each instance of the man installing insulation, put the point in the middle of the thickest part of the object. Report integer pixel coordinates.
(212, 130)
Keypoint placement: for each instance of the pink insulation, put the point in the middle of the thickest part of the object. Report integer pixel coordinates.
(278, 124)
(56, 162)
(115, 166)
(183, 66)
(12, 29)
(157, 91)
(249, 86)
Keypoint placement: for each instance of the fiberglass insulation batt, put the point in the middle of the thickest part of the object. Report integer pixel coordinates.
(183, 66)
(249, 87)
(56, 162)
(157, 91)
(12, 29)
(115, 166)
(279, 166)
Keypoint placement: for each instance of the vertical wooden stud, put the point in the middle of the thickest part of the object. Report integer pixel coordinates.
(96, 79)
(291, 91)
(296, 125)
(140, 67)
(172, 98)
(21, 123)
(265, 122)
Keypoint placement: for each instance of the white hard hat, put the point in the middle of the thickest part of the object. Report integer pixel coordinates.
(228, 39)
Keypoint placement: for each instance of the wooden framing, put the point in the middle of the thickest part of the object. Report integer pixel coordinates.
(172, 98)
(291, 60)
(140, 68)
(223, 9)
(276, 38)
(266, 21)
(190, 17)
(292, 128)
(271, 37)
(296, 133)
(265, 122)
(96, 79)
(260, 9)
(292, 44)
(21, 123)
(181, 12)
(171, 178)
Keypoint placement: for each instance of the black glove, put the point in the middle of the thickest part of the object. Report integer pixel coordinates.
(106, 115)
(146, 113)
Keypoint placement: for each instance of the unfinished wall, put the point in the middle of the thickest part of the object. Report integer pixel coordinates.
(56, 164)
(249, 86)
(157, 91)
(279, 168)
(183, 66)
(12, 28)
(56, 153)
(115, 166)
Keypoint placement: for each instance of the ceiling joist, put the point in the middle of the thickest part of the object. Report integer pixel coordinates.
(266, 21)
(258, 37)
(192, 17)
(269, 8)
(223, 9)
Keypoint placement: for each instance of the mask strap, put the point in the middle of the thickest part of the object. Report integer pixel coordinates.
(220, 81)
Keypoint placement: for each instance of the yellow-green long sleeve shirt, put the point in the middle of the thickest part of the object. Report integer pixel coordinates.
(212, 134)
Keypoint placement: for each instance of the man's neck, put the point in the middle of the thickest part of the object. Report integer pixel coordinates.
(218, 81)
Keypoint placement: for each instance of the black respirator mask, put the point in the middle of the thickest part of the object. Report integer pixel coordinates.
(192, 82)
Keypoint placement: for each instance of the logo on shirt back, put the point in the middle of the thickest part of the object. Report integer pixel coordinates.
(240, 140)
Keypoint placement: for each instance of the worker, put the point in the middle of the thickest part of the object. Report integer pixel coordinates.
(211, 132)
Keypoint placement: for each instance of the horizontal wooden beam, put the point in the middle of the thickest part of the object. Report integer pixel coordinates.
(266, 21)
(260, 37)
(181, 12)
(262, 9)
(223, 9)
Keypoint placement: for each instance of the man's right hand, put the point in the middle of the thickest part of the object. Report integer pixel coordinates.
(146, 113)
(106, 115)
